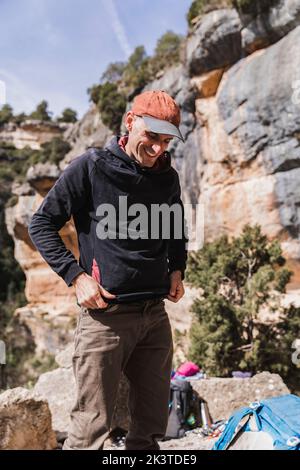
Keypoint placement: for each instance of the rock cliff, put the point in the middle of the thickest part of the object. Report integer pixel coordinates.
(237, 88)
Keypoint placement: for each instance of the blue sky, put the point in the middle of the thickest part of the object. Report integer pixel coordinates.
(56, 49)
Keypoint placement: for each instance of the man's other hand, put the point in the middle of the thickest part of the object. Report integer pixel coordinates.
(176, 287)
(89, 293)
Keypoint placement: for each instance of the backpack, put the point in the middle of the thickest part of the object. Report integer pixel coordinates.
(183, 409)
(272, 424)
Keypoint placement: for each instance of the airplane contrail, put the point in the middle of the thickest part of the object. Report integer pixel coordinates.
(117, 26)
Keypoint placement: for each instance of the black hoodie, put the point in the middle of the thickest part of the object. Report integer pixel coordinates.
(132, 269)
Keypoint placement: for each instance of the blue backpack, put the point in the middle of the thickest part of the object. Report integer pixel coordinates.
(272, 424)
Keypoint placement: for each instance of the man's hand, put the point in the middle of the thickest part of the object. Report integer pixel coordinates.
(89, 293)
(176, 287)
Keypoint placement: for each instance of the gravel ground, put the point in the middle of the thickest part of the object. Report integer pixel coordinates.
(192, 441)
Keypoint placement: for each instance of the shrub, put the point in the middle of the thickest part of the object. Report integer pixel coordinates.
(111, 104)
(237, 278)
(167, 52)
(41, 112)
(113, 73)
(6, 114)
(136, 73)
(68, 115)
(200, 7)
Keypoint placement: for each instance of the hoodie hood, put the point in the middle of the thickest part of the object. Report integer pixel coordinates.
(126, 172)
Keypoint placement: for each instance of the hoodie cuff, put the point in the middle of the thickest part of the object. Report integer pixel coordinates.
(182, 270)
(72, 271)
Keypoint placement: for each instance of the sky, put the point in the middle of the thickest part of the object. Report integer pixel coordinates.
(56, 49)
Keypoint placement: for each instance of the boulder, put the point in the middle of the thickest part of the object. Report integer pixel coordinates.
(59, 389)
(42, 177)
(25, 421)
(225, 395)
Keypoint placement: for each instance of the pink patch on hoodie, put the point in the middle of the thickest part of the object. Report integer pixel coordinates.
(96, 271)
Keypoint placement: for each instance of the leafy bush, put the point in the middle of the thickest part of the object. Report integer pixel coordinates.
(253, 7)
(113, 73)
(111, 104)
(6, 114)
(14, 163)
(238, 278)
(136, 73)
(123, 80)
(167, 52)
(53, 151)
(19, 118)
(41, 112)
(68, 115)
(200, 7)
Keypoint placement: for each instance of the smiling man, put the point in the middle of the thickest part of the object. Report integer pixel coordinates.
(122, 278)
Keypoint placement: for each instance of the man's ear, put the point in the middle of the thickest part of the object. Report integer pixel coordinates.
(129, 118)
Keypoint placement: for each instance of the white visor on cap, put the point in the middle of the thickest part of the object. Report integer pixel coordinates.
(160, 126)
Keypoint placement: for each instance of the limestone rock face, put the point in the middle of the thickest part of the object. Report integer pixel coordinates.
(215, 42)
(88, 132)
(225, 395)
(248, 157)
(240, 159)
(25, 421)
(51, 310)
(270, 26)
(31, 133)
(42, 177)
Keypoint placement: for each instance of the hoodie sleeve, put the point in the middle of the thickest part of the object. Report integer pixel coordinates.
(177, 253)
(68, 196)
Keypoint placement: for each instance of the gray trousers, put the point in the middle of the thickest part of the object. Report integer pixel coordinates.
(135, 338)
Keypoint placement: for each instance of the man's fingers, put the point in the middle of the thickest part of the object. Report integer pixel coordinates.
(95, 301)
(105, 293)
(99, 300)
(89, 304)
(176, 292)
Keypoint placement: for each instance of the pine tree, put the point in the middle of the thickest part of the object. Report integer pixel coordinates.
(237, 279)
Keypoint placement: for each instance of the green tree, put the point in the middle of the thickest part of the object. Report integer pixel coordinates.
(167, 52)
(237, 278)
(54, 150)
(41, 112)
(94, 93)
(112, 106)
(68, 115)
(136, 72)
(110, 102)
(19, 118)
(113, 73)
(200, 7)
(6, 114)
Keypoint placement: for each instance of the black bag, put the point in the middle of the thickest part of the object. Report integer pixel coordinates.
(183, 409)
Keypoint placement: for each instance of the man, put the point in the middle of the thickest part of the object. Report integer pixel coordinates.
(126, 269)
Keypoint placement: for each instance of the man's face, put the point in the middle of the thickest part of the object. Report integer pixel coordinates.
(145, 146)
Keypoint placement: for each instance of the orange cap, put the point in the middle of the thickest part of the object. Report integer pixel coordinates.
(160, 112)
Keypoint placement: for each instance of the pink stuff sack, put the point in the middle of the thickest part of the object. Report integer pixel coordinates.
(187, 369)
